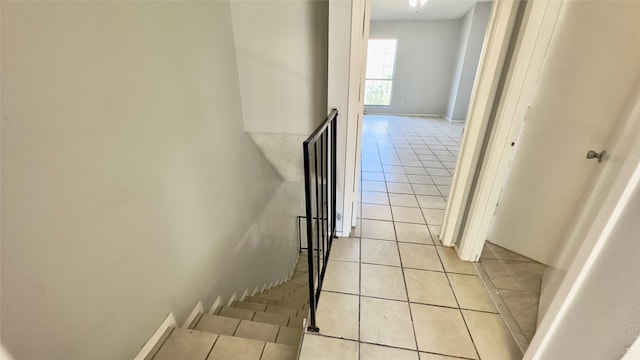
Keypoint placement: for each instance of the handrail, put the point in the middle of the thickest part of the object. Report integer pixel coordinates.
(320, 195)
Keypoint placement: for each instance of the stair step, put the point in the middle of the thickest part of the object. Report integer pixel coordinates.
(186, 344)
(276, 309)
(295, 302)
(260, 316)
(234, 348)
(249, 329)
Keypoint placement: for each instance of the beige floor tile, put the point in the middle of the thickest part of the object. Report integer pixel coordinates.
(471, 293)
(514, 275)
(270, 318)
(442, 330)
(279, 352)
(186, 344)
(415, 168)
(379, 186)
(377, 352)
(491, 251)
(435, 232)
(289, 336)
(420, 179)
(380, 252)
(375, 229)
(431, 202)
(407, 200)
(317, 347)
(427, 356)
(242, 314)
(452, 262)
(218, 325)
(337, 315)
(235, 348)
(374, 197)
(431, 190)
(396, 178)
(382, 281)
(283, 310)
(441, 180)
(376, 212)
(407, 214)
(342, 276)
(399, 188)
(257, 331)
(414, 233)
(444, 190)
(393, 169)
(253, 306)
(523, 306)
(433, 216)
(344, 248)
(386, 322)
(491, 336)
(420, 256)
(429, 287)
(372, 175)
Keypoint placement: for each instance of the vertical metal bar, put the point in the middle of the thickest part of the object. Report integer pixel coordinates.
(325, 197)
(318, 228)
(334, 130)
(321, 240)
(307, 193)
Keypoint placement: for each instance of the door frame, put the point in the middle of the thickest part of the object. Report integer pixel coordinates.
(477, 185)
(347, 60)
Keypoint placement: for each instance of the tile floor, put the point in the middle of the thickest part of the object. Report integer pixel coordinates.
(391, 291)
(517, 280)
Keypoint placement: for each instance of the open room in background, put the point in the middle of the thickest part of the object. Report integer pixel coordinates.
(437, 55)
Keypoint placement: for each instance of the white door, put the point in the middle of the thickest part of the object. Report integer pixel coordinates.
(591, 66)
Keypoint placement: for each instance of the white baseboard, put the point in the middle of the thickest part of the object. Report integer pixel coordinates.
(198, 310)
(245, 294)
(232, 299)
(216, 305)
(149, 346)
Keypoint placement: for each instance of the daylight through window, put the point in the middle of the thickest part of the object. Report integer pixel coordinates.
(381, 59)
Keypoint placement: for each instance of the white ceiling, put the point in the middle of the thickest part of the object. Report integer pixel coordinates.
(432, 10)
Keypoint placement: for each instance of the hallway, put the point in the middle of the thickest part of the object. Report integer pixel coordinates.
(391, 291)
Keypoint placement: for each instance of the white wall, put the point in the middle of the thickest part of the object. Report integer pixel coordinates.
(425, 64)
(282, 61)
(474, 27)
(281, 49)
(129, 187)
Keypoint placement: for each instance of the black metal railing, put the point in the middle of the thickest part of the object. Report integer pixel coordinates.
(320, 198)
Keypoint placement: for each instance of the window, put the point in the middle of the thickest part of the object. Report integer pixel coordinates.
(381, 59)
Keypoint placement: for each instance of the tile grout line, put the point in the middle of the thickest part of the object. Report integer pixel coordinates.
(404, 280)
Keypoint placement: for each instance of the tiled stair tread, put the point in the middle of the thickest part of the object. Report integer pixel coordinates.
(276, 309)
(258, 304)
(235, 348)
(218, 324)
(259, 316)
(249, 329)
(186, 344)
(279, 352)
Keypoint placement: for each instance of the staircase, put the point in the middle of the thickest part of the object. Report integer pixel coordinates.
(266, 326)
